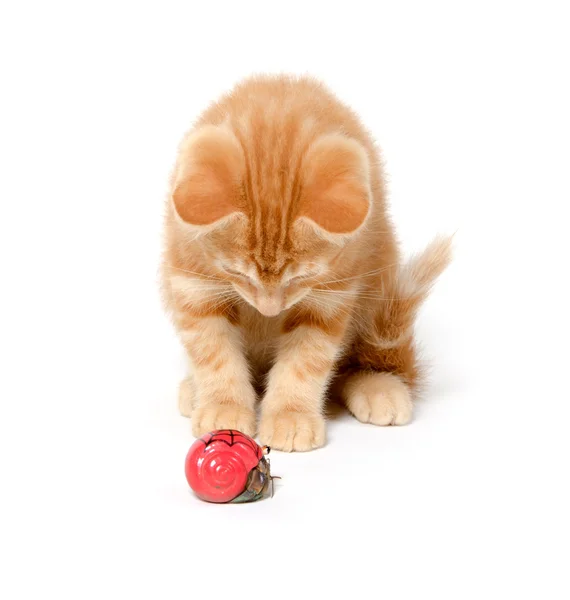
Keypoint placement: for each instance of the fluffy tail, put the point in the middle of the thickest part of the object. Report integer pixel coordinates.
(404, 292)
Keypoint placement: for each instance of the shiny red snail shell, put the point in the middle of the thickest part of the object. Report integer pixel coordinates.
(228, 466)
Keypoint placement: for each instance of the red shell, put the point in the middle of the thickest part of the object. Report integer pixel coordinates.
(218, 464)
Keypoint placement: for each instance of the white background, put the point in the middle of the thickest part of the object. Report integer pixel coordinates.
(470, 104)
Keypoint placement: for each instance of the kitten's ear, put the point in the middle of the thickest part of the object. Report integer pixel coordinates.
(336, 185)
(209, 176)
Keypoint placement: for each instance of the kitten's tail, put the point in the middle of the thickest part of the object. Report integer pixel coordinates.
(404, 292)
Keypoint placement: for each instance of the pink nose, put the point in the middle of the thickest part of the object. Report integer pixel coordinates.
(269, 307)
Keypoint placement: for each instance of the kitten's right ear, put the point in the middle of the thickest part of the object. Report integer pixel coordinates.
(209, 176)
(336, 195)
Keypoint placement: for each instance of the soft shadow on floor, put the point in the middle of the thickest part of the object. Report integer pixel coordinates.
(334, 409)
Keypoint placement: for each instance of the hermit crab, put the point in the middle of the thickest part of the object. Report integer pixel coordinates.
(228, 466)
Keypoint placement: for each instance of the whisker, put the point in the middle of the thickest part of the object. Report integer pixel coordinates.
(199, 287)
(219, 296)
(352, 317)
(368, 274)
(353, 293)
(200, 275)
(223, 300)
(369, 296)
(340, 307)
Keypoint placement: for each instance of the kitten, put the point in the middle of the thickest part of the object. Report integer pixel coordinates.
(281, 269)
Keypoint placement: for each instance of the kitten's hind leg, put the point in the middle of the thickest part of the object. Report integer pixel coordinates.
(378, 398)
(382, 369)
(378, 378)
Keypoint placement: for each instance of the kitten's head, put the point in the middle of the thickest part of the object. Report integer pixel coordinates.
(271, 225)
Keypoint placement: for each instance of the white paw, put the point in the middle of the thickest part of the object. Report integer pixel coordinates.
(186, 397)
(378, 398)
(292, 431)
(223, 416)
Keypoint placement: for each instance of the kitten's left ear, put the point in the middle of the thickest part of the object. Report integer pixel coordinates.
(206, 190)
(336, 185)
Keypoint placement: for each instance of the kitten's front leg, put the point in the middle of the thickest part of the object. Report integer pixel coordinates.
(292, 409)
(225, 398)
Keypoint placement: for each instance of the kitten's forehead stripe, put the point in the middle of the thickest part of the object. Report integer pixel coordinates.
(273, 158)
(248, 185)
(275, 268)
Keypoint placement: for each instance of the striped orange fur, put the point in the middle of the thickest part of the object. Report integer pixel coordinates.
(281, 268)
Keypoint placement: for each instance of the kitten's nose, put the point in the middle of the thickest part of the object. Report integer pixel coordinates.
(269, 306)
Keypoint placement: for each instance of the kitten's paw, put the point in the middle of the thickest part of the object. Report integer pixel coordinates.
(292, 431)
(223, 416)
(378, 398)
(186, 397)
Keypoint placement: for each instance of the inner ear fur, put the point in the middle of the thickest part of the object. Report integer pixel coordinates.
(210, 172)
(336, 184)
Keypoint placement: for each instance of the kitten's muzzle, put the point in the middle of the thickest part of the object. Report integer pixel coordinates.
(268, 306)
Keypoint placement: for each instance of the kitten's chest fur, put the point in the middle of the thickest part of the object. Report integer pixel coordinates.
(261, 336)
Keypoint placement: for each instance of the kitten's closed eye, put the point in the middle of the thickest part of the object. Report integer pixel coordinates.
(234, 272)
(298, 278)
(302, 277)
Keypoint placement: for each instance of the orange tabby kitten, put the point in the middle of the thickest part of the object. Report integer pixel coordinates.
(281, 268)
